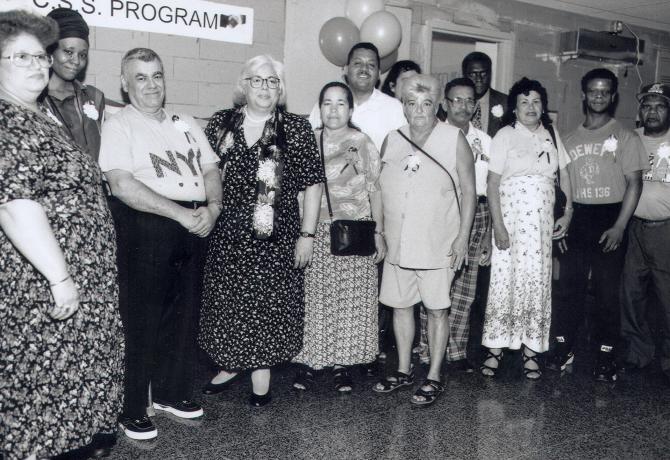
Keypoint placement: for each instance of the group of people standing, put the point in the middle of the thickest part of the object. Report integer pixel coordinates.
(128, 241)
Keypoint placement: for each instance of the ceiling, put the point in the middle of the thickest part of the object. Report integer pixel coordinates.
(654, 14)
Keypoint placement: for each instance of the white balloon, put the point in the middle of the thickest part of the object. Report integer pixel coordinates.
(359, 10)
(383, 30)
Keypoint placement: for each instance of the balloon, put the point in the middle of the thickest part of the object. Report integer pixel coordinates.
(336, 38)
(387, 62)
(383, 30)
(359, 10)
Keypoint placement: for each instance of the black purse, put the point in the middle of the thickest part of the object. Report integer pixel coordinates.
(348, 237)
(560, 200)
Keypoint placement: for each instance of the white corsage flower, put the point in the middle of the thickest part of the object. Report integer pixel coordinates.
(181, 125)
(497, 111)
(266, 172)
(228, 141)
(610, 144)
(263, 218)
(90, 111)
(413, 164)
(663, 153)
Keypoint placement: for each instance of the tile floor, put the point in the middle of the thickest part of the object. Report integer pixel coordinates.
(560, 416)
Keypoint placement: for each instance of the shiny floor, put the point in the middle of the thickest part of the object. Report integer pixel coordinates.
(560, 416)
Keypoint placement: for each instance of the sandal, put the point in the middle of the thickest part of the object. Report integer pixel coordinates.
(342, 379)
(428, 396)
(400, 379)
(304, 379)
(531, 374)
(485, 367)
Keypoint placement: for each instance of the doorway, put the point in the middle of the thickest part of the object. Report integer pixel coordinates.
(445, 44)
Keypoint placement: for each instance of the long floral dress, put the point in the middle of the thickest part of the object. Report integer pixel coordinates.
(341, 292)
(253, 298)
(60, 381)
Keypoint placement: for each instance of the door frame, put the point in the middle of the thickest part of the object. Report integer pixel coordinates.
(504, 72)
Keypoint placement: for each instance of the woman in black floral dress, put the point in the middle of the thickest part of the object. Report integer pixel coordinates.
(253, 306)
(61, 343)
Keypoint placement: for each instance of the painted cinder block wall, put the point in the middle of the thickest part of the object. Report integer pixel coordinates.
(536, 30)
(200, 73)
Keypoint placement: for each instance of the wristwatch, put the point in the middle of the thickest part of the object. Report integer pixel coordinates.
(307, 235)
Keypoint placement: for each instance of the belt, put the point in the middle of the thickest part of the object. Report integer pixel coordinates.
(191, 204)
(650, 222)
(482, 200)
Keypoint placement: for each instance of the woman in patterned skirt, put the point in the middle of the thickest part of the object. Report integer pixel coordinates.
(525, 156)
(341, 291)
(253, 299)
(61, 342)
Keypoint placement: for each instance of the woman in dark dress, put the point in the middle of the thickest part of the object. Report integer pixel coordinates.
(61, 343)
(253, 299)
(80, 108)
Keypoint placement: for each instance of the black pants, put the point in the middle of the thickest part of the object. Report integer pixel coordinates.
(586, 255)
(160, 277)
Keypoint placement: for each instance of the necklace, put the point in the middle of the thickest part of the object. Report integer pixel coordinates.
(251, 119)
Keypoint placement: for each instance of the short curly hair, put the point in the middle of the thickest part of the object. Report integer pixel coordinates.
(16, 22)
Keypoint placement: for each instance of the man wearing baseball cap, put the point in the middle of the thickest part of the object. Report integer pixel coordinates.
(647, 266)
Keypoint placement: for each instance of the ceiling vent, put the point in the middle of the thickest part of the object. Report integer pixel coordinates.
(601, 46)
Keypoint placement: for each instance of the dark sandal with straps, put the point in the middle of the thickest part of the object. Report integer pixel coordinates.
(400, 380)
(485, 367)
(531, 374)
(304, 380)
(342, 380)
(428, 396)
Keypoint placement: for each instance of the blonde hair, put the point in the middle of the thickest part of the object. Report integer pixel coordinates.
(422, 83)
(239, 94)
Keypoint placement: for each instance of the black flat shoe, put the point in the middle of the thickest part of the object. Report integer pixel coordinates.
(260, 400)
(216, 388)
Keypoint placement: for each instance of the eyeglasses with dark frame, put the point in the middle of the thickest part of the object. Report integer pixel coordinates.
(26, 59)
(257, 82)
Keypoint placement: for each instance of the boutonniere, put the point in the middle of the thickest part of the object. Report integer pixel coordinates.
(497, 110)
(546, 147)
(610, 145)
(477, 150)
(182, 126)
(267, 173)
(663, 153)
(351, 156)
(90, 111)
(413, 164)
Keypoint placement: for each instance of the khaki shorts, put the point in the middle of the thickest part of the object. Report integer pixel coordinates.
(404, 287)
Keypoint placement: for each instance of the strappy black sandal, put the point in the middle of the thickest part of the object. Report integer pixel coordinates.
(342, 380)
(531, 374)
(424, 397)
(400, 380)
(304, 380)
(484, 366)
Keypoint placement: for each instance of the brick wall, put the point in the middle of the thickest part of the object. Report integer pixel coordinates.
(200, 74)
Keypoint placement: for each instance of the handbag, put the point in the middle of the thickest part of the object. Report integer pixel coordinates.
(560, 200)
(348, 237)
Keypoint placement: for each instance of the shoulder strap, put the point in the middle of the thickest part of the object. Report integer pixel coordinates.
(550, 128)
(325, 184)
(458, 203)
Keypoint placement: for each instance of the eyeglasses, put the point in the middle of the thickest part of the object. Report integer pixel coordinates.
(474, 75)
(462, 102)
(257, 82)
(26, 59)
(657, 108)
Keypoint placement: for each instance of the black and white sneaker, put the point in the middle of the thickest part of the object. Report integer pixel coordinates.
(605, 370)
(142, 428)
(559, 360)
(182, 409)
